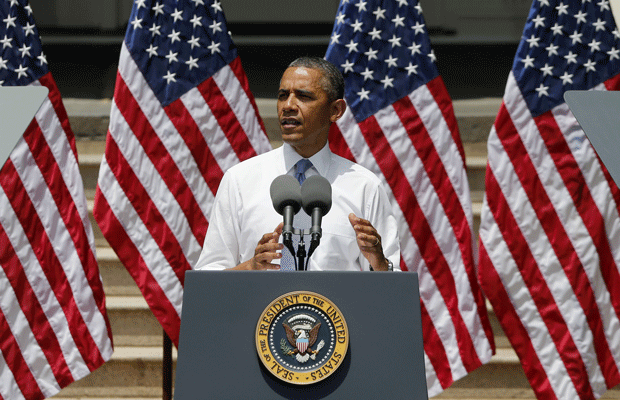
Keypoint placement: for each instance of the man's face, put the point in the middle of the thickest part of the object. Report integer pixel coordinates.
(304, 110)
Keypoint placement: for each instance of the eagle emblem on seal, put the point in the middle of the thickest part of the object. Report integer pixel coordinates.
(302, 331)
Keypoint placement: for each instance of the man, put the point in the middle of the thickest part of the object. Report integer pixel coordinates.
(359, 232)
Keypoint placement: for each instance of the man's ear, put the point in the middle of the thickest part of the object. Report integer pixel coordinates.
(338, 106)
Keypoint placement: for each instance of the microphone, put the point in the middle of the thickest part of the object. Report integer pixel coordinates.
(316, 193)
(286, 198)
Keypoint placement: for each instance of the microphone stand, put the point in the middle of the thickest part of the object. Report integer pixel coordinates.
(301, 250)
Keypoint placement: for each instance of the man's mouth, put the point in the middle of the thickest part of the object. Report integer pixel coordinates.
(289, 122)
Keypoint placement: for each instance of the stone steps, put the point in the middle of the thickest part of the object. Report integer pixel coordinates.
(135, 371)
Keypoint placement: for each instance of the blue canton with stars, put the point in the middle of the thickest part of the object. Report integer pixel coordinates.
(178, 44)
(566, 45)
(21, 58)
(383, 50)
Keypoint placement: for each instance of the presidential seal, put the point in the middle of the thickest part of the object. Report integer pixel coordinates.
(302, 338)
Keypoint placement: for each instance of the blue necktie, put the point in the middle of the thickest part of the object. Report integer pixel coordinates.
(300, 169)
(301, 221)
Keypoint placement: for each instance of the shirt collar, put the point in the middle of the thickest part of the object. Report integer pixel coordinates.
(320, 161)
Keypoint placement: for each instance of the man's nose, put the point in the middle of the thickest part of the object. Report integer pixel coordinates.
(290, 103)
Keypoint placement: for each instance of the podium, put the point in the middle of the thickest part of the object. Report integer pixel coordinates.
(219, 355)
(597, 113)
(18, 106)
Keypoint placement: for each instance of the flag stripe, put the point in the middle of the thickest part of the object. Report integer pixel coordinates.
(431, 251)
(226, 118)
(85, 282)
(54, 323)
(185, 117)
(182, 115)
(563, 238)
(437, 358)
(250, 120)
(554, 198)
(33, 311)
(10, 389)
(145, 142)
(160, 286)
(537, 287)
(143, 205)
(162, 131)
(520, 338)
(337, 143)
(444, 186)
(437, 89)
(594, 222)
(26, 384)
(36, 233)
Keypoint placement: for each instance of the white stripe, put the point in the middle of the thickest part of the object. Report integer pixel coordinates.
(429, 292)
(211, 131)
(8, 385)
(60, 147)
(244, 111)
(573, 226)
(544, 256)
(64, 248)
(433, 386)
(35, 275)
(443, 233)
(606, 204)
(163, 127)
(147, 247)
(441, 136)
(521, 300)
(30, 349)
(442, 320)
(157, 190)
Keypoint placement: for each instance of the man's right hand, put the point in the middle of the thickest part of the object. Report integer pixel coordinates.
(266, 251)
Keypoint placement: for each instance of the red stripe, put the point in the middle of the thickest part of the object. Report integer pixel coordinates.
(437, 356)
(595, 223)
(562, 247)
(54, 95)
(423, 235)
(451, 204)
(158, 155)
(71, 217)
(237, 68)
(190, 132)
(31, 307)
(444, 102)
(338, 145)
(16, 363)
(227, 119)
(53, 269)
(149, 214)
(129, 255)
(509, 319)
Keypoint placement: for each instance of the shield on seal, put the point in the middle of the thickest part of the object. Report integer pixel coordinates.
(302, 344)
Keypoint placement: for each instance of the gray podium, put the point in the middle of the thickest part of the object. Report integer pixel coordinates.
(218, 356)
(18, 105)
(598, 113)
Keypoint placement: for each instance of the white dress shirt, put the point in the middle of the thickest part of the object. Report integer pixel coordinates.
(243, 212)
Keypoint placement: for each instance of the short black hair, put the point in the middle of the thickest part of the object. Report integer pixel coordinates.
(332, 82)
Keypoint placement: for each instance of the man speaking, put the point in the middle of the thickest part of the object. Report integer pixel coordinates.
(358, 233)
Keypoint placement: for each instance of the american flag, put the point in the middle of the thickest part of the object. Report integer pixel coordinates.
(400, 124)
(550, 229)
(182, 115)
(53, 323)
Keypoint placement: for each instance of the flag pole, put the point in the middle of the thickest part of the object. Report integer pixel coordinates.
(167, 369)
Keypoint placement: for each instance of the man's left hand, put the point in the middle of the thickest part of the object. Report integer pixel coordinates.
(369, 242)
